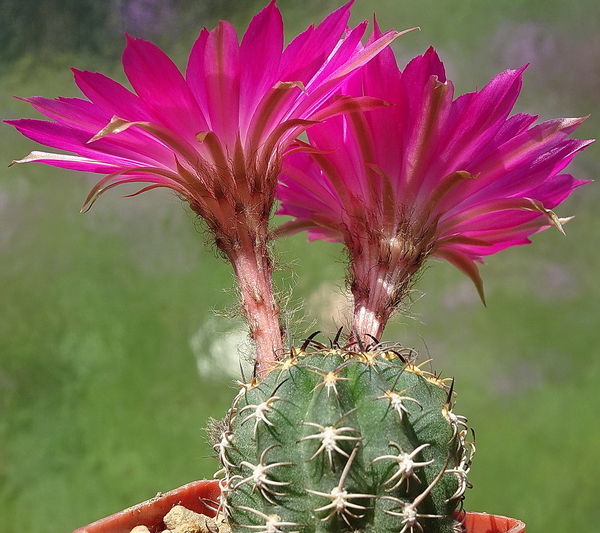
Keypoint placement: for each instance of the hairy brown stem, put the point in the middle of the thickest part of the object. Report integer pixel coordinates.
(254, 271)
(381, 277)
(373, 303)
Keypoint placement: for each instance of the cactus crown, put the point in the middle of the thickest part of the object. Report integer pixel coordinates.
(344, 439)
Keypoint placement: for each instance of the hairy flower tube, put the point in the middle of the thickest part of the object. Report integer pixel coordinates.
(429, 175)
(216, 136)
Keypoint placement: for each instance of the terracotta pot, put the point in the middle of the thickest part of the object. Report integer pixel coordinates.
(201, 496)
(491, 523)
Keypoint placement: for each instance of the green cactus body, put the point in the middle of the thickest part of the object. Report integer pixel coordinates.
(342, 441)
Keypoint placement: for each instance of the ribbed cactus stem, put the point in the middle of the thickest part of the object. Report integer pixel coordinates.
(335, 440)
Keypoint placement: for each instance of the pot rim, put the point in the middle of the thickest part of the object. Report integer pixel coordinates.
(202, 496)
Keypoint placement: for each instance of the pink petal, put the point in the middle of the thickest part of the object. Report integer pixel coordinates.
(74, 112)
(196, 66)
(260, 53)
(525, 147)
(556, 189)
(158, 82)
(111, 97)
(68, 161)
(221, 81)
(519, 179)
(305, 55)
(70, 139)
(479, 121)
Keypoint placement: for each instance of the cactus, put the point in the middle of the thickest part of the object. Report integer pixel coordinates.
(356, 151)
(344, 439)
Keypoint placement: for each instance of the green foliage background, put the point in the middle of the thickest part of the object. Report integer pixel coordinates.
(103, 315)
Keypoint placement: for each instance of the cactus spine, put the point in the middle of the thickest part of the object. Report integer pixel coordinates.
(337, 440)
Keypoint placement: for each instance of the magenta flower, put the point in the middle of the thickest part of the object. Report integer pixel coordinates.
(428, 175)
(216, 136)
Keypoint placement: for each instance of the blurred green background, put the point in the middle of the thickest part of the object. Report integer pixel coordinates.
(112, 357)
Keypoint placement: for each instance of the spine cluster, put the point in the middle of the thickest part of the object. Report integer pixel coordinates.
(336, 440)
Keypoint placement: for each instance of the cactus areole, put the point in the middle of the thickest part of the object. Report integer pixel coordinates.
(341, 440)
